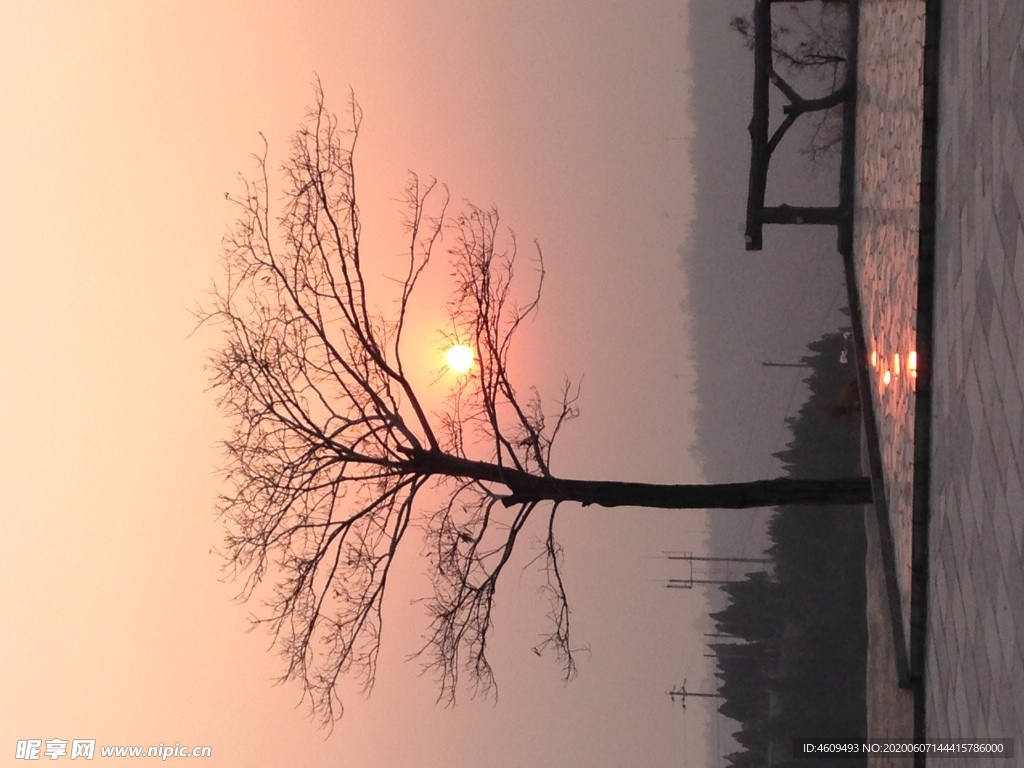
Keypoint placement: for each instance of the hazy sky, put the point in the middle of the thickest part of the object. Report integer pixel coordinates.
(123, 125)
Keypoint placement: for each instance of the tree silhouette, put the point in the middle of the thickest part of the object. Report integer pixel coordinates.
(816, 46)
(813, 44)
(333, 456)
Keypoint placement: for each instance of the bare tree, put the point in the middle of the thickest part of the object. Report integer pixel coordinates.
(332, 450)
(811, 44)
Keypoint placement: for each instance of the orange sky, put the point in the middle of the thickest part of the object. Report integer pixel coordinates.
(123, 125)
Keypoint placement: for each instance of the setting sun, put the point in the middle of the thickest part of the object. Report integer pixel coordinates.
(459, 358)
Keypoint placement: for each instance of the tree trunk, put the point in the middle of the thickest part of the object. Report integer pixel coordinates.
(795, 214)
(525, 488)
(760, 493)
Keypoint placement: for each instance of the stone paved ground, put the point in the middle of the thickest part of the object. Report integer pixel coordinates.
(889, 708)
(974, 674)
(974, 652)
(887, 183)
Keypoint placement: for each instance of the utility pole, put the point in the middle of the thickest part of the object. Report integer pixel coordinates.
(691, 558)
(688, 583)
(724, 656)
(681, 693)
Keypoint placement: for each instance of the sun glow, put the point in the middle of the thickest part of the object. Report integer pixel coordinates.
(459, 358)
